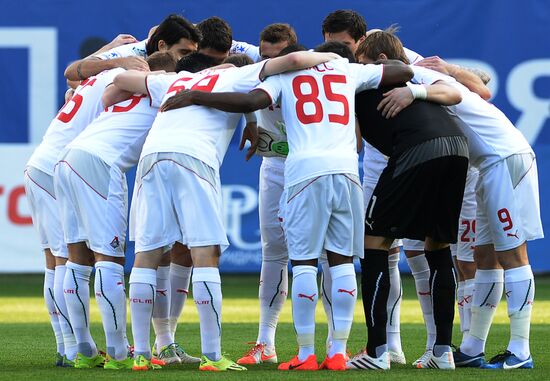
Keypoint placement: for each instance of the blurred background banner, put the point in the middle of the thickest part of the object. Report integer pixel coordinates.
(508, 39)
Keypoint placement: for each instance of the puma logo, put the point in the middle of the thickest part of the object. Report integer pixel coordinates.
(513, 235)
(369, 224)
(347, 291)
(310, 297)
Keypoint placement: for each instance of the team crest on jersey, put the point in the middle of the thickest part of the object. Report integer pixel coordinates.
(138, 51)
(115, 243)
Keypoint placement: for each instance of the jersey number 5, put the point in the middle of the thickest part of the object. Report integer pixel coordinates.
(313, 98)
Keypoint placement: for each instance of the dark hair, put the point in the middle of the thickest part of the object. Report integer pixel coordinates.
(216, 34)
(384, 41)
(172, 29)
(278, 32)
(292, 48)
(345, 20)
(239, 60)
(336, 47)
(162, 61)
(195, 62)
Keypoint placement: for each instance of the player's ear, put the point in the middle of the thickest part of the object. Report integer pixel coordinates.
(382, 56)
(162, 46)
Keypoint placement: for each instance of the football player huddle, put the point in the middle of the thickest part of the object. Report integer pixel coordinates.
(447, 177)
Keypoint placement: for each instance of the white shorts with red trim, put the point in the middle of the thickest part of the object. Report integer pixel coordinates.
(467, 226)
(272, 181)
(508, 209)
(40, 193)
(324, 213)
(177, 198)
(93, 199)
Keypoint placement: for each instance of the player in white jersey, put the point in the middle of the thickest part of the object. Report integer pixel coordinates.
(79, 110)
(274, 272)
(174, 33)
(91, 184)
(373, 164)
(322, 204)
(179, 174)
(507, 216)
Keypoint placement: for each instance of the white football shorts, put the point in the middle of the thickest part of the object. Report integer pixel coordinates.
(178, 198)
(40, 192)
(324, 212)
(467, 226)
(93, 198)
(272, 181)
(508, 209)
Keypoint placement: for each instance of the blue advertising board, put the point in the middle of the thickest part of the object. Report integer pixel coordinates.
(508, 39)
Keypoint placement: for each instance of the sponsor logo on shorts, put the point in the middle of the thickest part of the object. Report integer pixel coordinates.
(201, 302)
(310, 297)
(513, 235)
(69, 291)
(141, 301)
(115, 243)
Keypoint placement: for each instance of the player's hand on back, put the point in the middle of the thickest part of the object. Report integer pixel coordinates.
(133, 63)
(122, 39)
(250, 133)
(435, 63)
(394, 101)
(180, 100)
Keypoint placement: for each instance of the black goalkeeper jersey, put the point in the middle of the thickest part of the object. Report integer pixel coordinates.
(419, 122)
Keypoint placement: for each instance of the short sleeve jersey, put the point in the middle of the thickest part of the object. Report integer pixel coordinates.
(119, 132)
(317, 106)
(127, 50)
(198, 131)
(491, 135)
(83, 107)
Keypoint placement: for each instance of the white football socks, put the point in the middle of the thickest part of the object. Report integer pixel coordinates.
(49, 298)
(180, 277)
(344, 297)
(421, 273)
(111, 300)
(460, 299)
(64, 322)
(469, 287)
(272, 293)
(487, 294)
(393, 325)
(326, 299)
(207, 293)
(161, 309)
(76, 287)
(304, 301)
(520, 292)
(143, 284)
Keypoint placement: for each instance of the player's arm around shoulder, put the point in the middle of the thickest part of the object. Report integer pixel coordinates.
(395, 72)
(295, 61)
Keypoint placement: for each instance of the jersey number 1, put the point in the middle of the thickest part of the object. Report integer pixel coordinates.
(313, 98)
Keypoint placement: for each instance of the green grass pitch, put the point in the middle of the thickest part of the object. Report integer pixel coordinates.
(27, 345)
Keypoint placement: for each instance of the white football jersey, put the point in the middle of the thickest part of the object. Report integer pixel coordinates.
(374, 163)
(252, 51)
(318, 106)
(119, 132)
(201, 132)
(84, 106)
(127, 50)
(491, 135)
